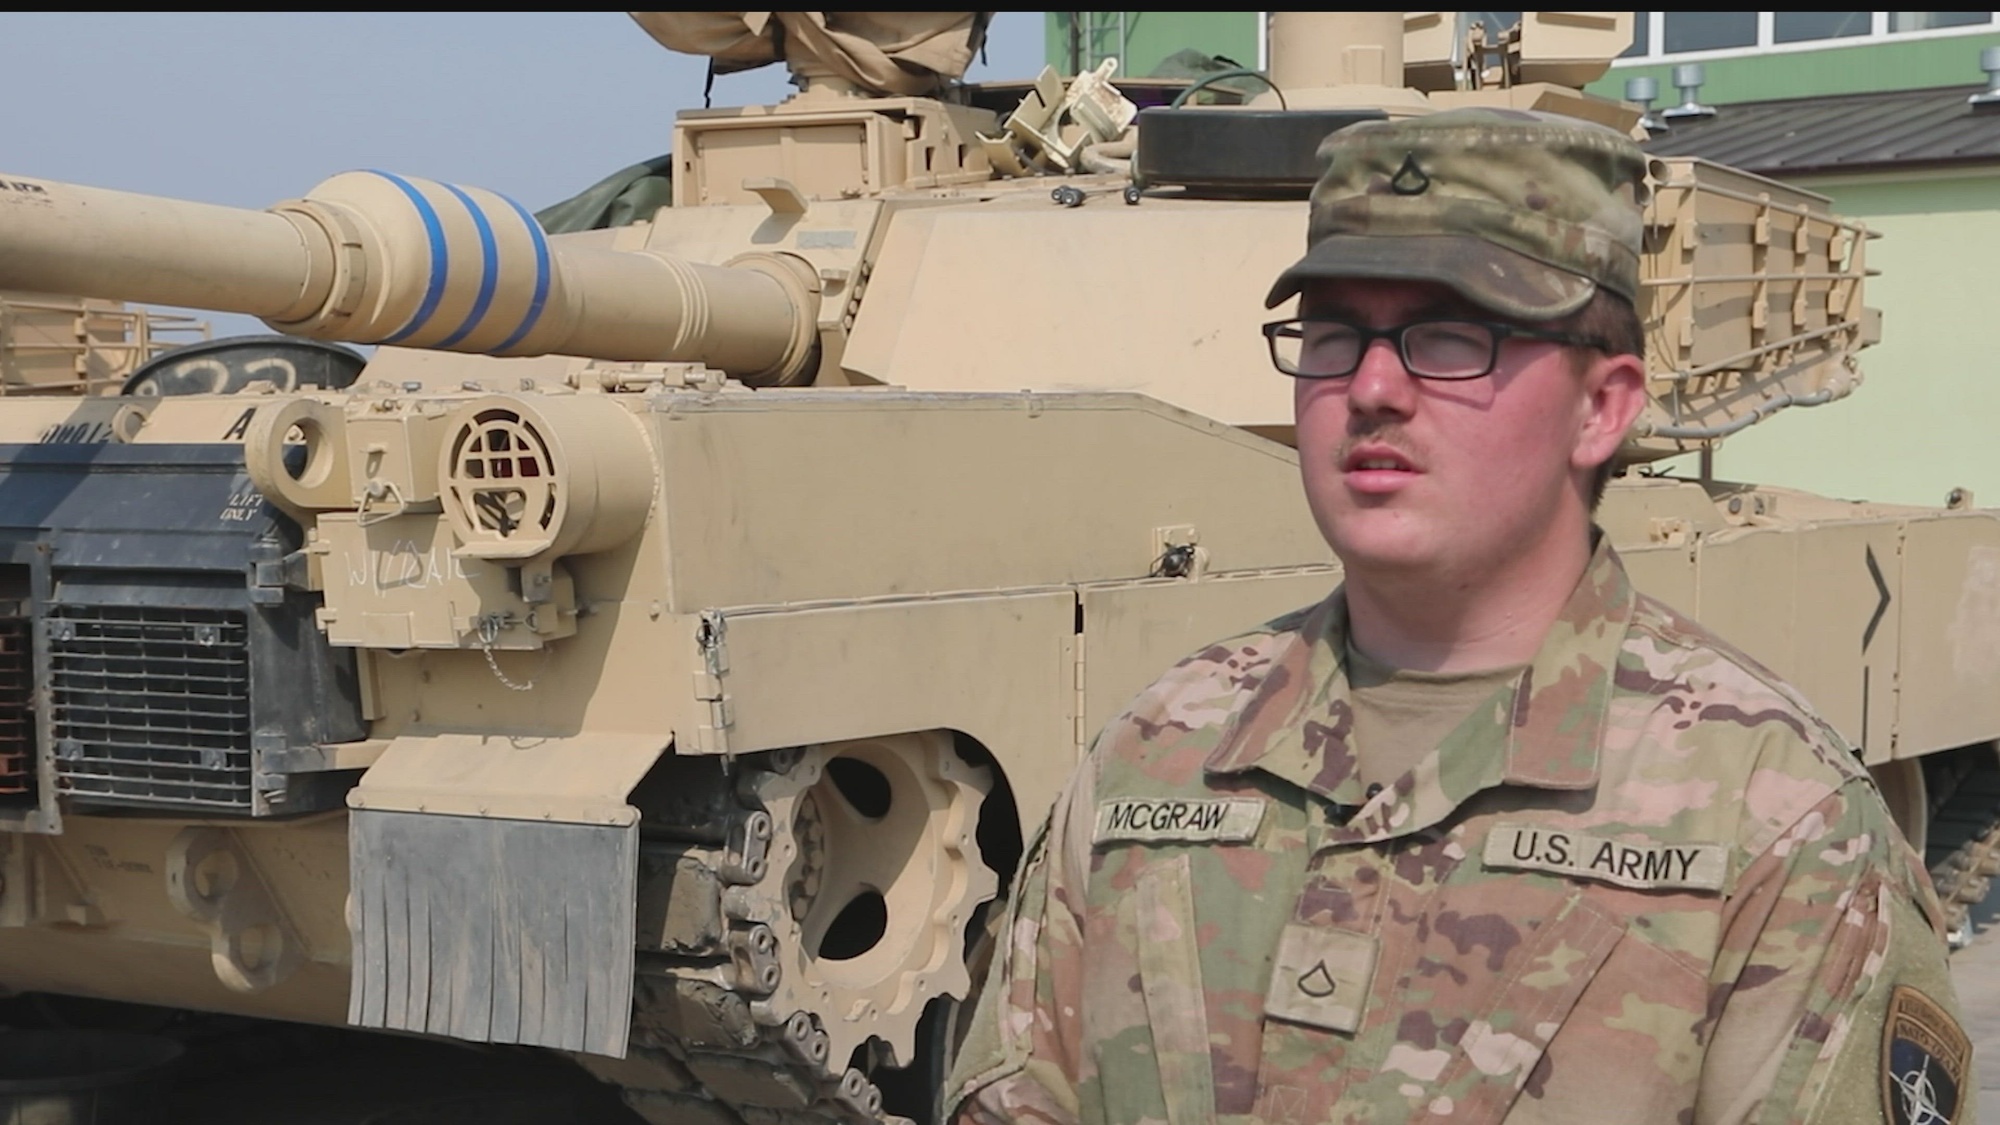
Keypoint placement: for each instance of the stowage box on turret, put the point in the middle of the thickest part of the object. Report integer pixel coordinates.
(679, 688)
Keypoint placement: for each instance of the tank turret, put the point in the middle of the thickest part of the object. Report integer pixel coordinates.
(1753, 289)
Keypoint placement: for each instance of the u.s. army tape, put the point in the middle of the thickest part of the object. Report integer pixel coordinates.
(1641, 864)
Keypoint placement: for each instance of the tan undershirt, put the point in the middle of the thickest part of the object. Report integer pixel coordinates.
(1401, 715)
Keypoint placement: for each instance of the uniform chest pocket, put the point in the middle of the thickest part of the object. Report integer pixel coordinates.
(1469, 991)
(1633, 1036)
(1513, 985)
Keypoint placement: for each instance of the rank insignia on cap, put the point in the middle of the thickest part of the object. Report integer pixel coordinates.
(1925, 1058)
(1409, 179)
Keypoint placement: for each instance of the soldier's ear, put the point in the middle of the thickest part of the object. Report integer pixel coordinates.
(1613, 393)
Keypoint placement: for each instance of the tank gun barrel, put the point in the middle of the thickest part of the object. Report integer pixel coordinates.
(372, 257)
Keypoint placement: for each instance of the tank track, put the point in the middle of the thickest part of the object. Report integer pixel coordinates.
(1963, 849)
(720, 1036)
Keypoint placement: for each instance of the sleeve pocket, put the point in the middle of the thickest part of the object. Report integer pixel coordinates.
(1170, 980)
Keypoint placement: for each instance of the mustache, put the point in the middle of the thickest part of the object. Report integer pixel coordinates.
(1389, 434)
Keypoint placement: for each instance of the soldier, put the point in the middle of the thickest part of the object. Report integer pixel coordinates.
(1486, 835)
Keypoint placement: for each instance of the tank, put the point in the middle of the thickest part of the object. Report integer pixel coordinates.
(664, 648)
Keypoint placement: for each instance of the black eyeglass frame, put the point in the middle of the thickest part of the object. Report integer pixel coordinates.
(1397, 335)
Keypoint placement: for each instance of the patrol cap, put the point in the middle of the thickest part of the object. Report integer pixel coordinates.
(1522, 213)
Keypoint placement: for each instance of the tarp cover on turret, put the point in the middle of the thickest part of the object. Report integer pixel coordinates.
(900, 53)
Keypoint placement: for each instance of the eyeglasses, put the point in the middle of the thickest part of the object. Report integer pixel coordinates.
(1327, 348)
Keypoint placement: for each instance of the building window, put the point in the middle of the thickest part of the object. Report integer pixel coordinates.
(1797, 27)
(1659, 37)
(1931, 21)
(1709, 31)
(1642, 26)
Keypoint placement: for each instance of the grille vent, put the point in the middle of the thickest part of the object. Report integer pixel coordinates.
(503, 476)
(17, 718)
(152, 704)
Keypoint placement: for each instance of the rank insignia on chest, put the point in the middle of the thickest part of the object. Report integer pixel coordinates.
(1640, 864)
(1321, 977)
(1216, 820)
(1925, 1059)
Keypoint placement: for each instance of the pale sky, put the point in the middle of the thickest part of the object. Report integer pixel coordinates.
(248, 110)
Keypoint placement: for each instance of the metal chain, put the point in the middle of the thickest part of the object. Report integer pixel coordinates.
(489, 631)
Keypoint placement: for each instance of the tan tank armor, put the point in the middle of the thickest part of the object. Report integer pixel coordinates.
(661, 651)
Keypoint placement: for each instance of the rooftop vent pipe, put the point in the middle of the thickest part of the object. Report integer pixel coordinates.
(1688, 77)
(1989, 98)
(1641, 91)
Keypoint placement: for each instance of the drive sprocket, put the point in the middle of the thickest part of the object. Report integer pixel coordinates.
(873, 870)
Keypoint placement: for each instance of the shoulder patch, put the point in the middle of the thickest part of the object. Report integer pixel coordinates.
(1217, 820)
(1644, 865)
(1925, 1058)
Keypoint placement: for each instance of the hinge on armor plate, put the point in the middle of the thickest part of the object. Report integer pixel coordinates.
(1079, 721)
(270, 578)
(268, 753)
(712, 737)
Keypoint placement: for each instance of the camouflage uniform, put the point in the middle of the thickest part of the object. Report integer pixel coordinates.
(1646, 882)
(1641, 882)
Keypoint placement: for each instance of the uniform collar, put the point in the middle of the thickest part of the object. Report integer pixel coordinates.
(1549, 724)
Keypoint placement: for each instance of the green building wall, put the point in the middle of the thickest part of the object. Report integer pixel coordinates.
(1151, 36)
(1859, 69)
